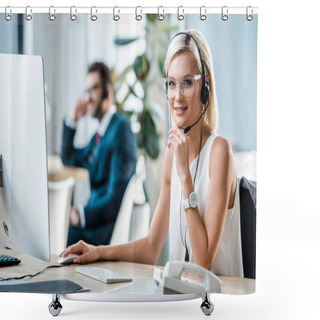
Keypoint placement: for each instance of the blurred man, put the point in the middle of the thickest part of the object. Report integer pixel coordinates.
(110, 158)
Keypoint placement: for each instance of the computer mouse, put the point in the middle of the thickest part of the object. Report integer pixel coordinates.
(68, 259)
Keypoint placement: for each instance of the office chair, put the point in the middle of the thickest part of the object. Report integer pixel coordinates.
(60, 195)
(248, 226)
(121, 230)
(140, 222)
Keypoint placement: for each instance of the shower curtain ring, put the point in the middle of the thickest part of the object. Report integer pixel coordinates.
(138, 16)
(249, 17)
(28, 15)
(224, 13)
(203, 13)
(93, 17)
(116, 17)
(52, 16)
(6, 15)
(180, 13)
(73, 17)
(160, 15)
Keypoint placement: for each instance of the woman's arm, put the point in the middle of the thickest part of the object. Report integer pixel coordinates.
(205, 236)
(145, 250)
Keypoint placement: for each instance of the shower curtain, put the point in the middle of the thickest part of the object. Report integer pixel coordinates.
(133, 44)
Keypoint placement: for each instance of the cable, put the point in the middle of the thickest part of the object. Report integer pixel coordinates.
(31, 275)
(194, 178)
(184, 243)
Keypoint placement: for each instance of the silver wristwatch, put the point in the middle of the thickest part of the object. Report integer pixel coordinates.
(191, 202)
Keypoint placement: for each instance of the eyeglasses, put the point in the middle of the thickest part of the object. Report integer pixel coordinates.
(186, 84)
(93, 88)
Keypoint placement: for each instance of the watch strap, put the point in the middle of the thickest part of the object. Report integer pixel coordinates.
(186, 204)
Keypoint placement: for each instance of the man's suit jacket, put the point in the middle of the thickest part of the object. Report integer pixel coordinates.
(110, 169)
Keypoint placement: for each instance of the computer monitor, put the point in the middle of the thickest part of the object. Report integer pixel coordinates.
(24, 213)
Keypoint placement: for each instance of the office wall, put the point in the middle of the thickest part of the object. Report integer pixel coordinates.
(233, 60)
(66, 58)
(9, 42)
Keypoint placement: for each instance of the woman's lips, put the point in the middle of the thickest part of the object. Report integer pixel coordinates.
(180, 110)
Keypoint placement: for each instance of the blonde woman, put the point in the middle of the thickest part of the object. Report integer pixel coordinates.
(199, 199)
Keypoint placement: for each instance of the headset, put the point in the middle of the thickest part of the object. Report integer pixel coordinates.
(205, 89)
(104, 75)
(105, 92)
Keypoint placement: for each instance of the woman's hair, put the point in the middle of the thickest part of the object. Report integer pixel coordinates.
(183, 42)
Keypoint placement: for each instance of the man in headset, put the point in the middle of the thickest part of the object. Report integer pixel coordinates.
(110, 158)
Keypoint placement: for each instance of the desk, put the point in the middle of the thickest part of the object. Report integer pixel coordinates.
(58, 172)
(138, 272)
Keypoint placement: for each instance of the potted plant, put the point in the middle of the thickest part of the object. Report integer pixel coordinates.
(147, 68)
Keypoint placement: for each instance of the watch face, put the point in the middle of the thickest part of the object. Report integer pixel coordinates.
(193, 199)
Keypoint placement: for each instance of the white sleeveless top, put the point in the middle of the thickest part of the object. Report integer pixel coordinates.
(228, 260)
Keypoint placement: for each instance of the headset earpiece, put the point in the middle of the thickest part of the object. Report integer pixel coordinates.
(205, 93)
(105, 92)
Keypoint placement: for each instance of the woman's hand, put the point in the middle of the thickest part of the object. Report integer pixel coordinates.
(180, 142)
(86, 252)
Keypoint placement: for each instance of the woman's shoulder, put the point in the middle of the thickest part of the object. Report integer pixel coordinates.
(221, 151)
(221, 145)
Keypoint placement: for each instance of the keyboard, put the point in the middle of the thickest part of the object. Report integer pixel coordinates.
(102, 274)
(8, 260)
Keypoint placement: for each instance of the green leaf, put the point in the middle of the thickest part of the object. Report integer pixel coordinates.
(141, 67)
(124, 41)
(129, 92)
(145, 190)
(149, 137)
(123, 74)
(152, 18)
(121, 77)
(132, 91)
(161, 63)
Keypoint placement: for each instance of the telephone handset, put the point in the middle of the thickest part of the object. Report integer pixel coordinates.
(186, 277)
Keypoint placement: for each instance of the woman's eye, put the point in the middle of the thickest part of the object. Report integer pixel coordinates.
(187, 82)
(172, 84)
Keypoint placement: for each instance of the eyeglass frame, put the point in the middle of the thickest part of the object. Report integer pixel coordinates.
(94, 88)
(195, 77)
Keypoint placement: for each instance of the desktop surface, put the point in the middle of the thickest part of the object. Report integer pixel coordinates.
(57, 171)
(138, 272)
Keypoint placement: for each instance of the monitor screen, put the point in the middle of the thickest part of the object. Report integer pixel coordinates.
(24, 217)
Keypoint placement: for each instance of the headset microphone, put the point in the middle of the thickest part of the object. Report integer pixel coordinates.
(187, 129)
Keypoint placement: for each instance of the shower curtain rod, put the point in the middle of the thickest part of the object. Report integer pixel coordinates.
(128, 10)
